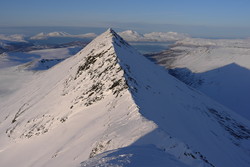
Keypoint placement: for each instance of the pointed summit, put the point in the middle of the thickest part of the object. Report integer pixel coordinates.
(111, 31)
(108, 33)
(110, 36)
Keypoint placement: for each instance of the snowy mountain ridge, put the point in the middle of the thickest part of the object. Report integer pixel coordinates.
(109, 97)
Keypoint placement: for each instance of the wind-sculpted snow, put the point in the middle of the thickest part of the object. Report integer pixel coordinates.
(108, 102)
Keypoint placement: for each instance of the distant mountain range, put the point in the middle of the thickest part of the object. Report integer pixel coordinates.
(128, 35)
(61, 34)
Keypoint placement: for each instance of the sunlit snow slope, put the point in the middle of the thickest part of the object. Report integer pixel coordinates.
(108, 97)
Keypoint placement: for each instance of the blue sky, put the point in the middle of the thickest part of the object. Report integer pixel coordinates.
(190, 16)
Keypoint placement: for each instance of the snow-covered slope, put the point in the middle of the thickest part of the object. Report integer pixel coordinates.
(110, 97)
(11, 80)
(43, 35)
(218, 68)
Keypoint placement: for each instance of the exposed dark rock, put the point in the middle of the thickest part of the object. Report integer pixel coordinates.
(237, 130)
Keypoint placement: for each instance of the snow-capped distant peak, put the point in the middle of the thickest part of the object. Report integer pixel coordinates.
(153, 36)
(129, 32)
(168, 36)
(43, 35)
(58, 34)
(12, 38)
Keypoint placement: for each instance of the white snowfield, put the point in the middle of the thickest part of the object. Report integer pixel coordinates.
(110, 106)
(220, 67)
(43, 35)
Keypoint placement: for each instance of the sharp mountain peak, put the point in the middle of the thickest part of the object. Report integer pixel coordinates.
(109, 96)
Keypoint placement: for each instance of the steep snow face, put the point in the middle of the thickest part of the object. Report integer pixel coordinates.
(185, 113)
(107, 97)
